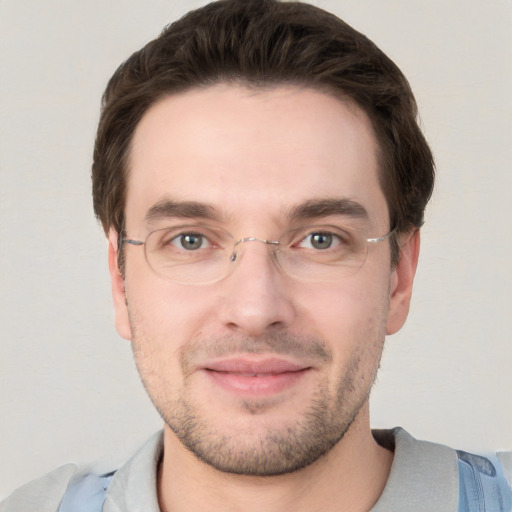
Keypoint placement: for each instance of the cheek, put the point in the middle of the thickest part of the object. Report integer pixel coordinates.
(159, 330)
(351, 318)
(169, 313)
(347, 310)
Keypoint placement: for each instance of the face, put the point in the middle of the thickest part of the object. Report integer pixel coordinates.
(258, 372)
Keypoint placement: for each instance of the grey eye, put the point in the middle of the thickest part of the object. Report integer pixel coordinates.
(321, 240)
(190, 241)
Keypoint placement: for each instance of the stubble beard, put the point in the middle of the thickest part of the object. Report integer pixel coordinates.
(279, 449)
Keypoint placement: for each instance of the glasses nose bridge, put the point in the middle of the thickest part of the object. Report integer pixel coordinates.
(234, 254)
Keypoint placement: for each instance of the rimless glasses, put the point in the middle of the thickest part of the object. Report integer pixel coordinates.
(197, 254)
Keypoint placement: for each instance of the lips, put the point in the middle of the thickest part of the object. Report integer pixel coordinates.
(254, 367)
(255, 377)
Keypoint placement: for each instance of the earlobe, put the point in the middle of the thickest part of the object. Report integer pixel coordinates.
(402, 281)
(122, 320)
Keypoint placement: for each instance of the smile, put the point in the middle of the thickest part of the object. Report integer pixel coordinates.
(255, 378)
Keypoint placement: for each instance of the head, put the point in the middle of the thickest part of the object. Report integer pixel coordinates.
(255, 118)
(262, 44)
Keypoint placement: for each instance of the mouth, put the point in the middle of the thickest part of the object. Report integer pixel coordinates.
(249, 377)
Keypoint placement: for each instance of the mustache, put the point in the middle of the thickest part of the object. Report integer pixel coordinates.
(310, 349)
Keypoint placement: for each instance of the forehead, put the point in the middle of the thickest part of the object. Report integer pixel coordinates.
(253, 153)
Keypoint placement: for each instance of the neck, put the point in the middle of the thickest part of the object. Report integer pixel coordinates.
(350, 477)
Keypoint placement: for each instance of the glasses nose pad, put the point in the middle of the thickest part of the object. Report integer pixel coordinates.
(234, 254)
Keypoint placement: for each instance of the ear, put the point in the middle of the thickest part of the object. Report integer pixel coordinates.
(401, 282)
(122, 320)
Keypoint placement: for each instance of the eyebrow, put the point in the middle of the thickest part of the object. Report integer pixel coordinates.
(311, 209)
(168, 208)
(316, 208)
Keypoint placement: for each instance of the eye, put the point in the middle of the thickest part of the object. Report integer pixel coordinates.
(190, 241)
(320, 240)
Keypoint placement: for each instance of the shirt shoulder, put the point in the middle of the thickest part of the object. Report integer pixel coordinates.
(73, 489)
(427, 476)
(424, 475)
(41, 495)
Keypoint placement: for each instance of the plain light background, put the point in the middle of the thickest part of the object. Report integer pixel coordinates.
(68, 388)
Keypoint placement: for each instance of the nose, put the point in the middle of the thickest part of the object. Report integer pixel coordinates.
(256, 295)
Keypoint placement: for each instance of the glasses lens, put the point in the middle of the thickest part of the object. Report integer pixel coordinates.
(322, 253)
(188, 255)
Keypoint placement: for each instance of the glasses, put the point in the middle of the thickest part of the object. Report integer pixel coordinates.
(195, 254)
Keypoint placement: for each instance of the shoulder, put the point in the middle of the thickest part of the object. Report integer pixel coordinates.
(482, 484)
(64, 490)
(73, 489)
(427, 476)
(41, 495)
(423, 477)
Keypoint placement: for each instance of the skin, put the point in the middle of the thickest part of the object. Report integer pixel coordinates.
(312, 438)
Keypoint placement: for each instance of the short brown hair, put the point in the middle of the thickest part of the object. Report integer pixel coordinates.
(263, 43)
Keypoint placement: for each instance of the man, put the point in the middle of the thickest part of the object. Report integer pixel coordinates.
(261, 179)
